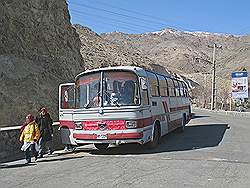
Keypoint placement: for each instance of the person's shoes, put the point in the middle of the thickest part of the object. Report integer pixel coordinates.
(28, 161)
(50, 152)
(66, 149)
(40, 156)
(36, 157)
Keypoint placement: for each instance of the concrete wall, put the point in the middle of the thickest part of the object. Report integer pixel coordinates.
(10, 145)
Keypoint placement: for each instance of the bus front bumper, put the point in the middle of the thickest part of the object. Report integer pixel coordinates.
(108, 137)
(117, 142)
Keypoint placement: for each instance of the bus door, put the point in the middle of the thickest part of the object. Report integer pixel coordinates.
(66, 106)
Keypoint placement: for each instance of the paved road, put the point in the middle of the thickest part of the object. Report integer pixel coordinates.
(213, 152)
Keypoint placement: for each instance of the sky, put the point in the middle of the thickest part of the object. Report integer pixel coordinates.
(140, 16)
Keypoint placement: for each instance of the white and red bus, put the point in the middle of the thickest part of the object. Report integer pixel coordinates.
(124, 104)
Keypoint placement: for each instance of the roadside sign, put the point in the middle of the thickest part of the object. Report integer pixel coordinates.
(240, 85)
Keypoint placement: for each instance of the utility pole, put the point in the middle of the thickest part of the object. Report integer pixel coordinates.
(213, 95)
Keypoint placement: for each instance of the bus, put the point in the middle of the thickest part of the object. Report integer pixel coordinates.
(119, 105)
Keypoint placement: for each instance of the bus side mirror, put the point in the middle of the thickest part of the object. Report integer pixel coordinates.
(143, 83)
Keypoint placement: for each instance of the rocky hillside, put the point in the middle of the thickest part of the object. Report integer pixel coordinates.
(38, 50)
(99, 52)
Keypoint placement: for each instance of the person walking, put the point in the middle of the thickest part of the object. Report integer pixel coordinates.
(44, 122)
(29, 136)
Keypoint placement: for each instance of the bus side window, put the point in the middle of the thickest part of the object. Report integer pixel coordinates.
(144, 93)
(145, 100)
(67, 97)
(177, 89)
(170, 87)
(181, 89)
(163, 86)
(167, 86)
(184, 89)
(153, 82)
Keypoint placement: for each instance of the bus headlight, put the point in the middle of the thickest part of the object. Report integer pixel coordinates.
(131, 124)
(78, 125)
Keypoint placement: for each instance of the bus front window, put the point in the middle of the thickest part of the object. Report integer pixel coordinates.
(119, 88)
(88, 91)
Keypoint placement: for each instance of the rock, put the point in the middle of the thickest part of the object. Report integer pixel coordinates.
(39, 49)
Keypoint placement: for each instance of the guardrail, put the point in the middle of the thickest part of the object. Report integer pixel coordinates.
(231, 113)
(16, 127)
(10, 145)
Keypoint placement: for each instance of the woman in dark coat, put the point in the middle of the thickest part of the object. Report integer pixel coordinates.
(44, 122)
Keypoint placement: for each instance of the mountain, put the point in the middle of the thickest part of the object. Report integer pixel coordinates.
(39, 49)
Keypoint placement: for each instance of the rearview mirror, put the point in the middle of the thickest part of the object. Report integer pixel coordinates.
(143, 83)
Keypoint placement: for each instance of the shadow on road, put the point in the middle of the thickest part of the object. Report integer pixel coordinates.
(194, 137)
(198, 116)
(16, 165)
(43, 160)
(63, 158)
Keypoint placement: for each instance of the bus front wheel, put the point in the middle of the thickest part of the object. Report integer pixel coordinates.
(102, 147)
(155, 139)
(183, 124)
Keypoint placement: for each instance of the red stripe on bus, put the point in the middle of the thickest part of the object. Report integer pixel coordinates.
(165, 105)
(178, 108)
(110, 125)
(85, 136)
(67, 123)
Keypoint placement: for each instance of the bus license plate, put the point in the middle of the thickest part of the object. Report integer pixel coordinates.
(101, 136)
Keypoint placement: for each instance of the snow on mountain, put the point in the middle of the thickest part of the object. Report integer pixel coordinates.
(194, 33)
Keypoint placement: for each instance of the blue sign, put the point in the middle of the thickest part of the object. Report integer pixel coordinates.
(239, 74)
(239, 85)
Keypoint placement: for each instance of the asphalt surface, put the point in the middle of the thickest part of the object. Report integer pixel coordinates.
(214, 151)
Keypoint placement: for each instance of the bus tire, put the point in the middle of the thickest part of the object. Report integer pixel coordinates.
(181, 129)
(102, 147)
(156, 138)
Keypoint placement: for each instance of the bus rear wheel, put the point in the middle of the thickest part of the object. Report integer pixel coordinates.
(102, 147)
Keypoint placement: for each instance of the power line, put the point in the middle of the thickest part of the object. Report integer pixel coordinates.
(163, 23)
(119, 14)
(116, 20)
(132, 11)
(107, 23)
(128, 27)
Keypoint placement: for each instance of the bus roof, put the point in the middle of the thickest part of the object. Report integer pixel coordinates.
(138, 70)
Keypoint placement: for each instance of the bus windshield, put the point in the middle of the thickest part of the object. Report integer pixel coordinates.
(117, 88)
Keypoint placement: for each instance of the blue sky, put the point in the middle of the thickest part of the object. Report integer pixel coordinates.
(139, 16)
